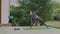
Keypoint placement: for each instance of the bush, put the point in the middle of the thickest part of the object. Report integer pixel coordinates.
(20, 12)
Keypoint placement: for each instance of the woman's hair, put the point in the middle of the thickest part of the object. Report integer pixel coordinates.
(29, 11)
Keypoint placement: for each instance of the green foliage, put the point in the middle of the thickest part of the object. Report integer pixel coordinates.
(24, 22)
(20, 12)
(56, 6)
(44, 5)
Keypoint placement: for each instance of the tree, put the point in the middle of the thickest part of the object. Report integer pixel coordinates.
(44, 11)
(44, 6)
(56, 6)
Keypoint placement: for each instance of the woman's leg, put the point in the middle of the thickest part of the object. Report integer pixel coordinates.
(42, 22)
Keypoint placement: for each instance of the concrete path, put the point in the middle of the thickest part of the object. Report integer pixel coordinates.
(10, 30)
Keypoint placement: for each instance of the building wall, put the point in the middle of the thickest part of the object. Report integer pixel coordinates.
(4, 11)
(0, 11)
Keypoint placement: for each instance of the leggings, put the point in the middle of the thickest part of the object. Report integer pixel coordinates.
(38, 20)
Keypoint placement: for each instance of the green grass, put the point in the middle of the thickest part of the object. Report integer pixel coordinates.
(54, 27)
(35, 28)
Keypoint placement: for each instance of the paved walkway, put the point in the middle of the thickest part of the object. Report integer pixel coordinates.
(10, 30)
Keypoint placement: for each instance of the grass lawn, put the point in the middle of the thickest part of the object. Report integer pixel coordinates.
(36, 28)
(52, 25)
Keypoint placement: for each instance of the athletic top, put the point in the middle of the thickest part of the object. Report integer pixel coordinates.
(34, 15)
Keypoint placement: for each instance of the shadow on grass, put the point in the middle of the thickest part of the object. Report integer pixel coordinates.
(54, 27)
